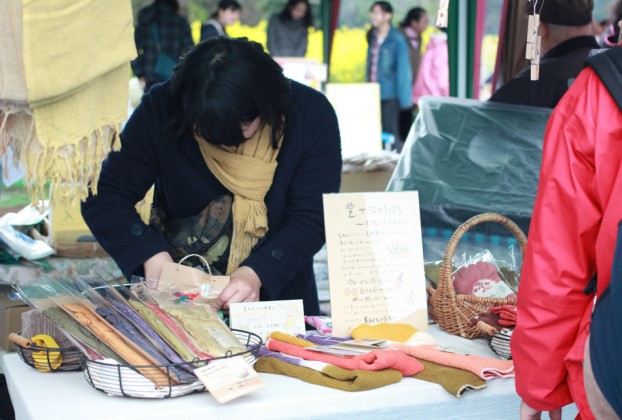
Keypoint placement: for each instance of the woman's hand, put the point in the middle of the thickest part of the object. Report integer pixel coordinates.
(243, 287)
(153, 267)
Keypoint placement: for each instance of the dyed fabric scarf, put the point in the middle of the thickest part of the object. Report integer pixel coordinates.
(324, 374)
(247, 171)
(372, 361)
(61, 99)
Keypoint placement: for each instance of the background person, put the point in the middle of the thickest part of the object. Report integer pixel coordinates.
(288, 31)
(174, 36)
(227, 13)
(388, 64)
(227, 124)
(414, 23)
(566, 31)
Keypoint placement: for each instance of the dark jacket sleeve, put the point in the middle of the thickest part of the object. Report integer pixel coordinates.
(288, 249)
(208, 32)
(125, 178)
(141, 38)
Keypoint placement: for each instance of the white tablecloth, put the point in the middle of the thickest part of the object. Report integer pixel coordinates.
(66, 395)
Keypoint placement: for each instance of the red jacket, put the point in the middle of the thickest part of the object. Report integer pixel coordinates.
(571, 237)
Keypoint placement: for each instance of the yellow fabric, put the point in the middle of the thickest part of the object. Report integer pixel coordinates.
(12, 78)
(70, 43)
(46, 360)
(247, 171)
(291, 339)
(75, 57)
(384, 331)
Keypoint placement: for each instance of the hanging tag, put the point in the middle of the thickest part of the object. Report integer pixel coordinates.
(229, 378)
(535, 61)
(443, 14)
(532, 33)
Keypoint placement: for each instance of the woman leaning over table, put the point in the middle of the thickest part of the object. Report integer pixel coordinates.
(228, 123)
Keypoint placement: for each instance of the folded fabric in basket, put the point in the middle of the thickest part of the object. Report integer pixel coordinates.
(178, 331)
(104, 332)
(453, 380)
(131, 332)
(163, 330)
(374, 360)
(484, 367)
(80, 332)
(324, 374)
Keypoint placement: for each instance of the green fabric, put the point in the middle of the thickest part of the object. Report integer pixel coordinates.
(331, 376)
(76, 330)
(208, 330)
(162, 329)
(455, 381)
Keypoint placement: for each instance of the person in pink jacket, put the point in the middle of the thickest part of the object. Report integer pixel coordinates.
(571, 241)
(433, 75)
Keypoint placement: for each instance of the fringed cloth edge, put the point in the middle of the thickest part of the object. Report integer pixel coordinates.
(73, 169)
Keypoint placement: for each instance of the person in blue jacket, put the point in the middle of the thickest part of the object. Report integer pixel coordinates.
(388, 64)
(228, 126)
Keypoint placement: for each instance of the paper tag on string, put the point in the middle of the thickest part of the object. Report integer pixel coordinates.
(229, 378)
(443, 14)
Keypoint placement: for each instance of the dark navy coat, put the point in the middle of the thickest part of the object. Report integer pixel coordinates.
(309, 165)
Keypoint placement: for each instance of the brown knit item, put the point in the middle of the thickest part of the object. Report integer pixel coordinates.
(331, 376)
(453, 380)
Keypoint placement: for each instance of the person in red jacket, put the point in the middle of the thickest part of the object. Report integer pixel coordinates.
(571, 238)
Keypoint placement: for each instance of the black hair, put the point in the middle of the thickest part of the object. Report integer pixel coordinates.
(226, 4)
(223, 82)
(173, 4)
(416, 13)
(384, 5)
(286, 13)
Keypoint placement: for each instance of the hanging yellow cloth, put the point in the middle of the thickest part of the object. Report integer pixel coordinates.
(247, 171)
(76, 57)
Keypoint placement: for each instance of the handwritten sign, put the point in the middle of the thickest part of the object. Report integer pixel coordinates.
(375, 259)
(262, 318)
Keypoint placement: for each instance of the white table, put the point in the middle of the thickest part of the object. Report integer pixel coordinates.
(67, 395)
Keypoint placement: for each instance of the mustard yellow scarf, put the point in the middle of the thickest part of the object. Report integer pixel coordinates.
(247, 171)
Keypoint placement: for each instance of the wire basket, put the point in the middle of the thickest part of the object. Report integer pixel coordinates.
(45, 359)
(126, 381)
(452, 311)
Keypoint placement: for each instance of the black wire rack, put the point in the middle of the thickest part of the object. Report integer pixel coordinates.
(132, 381)
(46, 359)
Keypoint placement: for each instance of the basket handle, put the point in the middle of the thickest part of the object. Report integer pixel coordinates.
(200, 257)
(19, 340)
(445, 272)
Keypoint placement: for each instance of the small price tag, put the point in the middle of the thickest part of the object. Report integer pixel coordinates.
(229, 378)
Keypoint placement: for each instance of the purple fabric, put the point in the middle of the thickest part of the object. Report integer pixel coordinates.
(127, 329)
(264, 352)
(146, 329)
(322, 340)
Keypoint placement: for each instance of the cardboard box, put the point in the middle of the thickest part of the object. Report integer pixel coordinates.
(11, 310)
(67, 224)
(365, 181)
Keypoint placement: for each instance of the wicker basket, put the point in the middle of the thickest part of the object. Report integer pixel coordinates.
(453, 311)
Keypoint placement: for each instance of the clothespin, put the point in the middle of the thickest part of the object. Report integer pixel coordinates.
(534, 41)
(443, 14)
(532, 36)
(535, 63)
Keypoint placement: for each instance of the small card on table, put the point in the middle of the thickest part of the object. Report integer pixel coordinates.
(229, 378)
(262, 318)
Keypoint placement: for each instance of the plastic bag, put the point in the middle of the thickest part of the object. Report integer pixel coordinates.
(484, 276)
